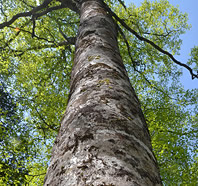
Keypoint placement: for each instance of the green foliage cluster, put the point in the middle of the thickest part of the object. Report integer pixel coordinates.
(36, 71)
(16, 148)
(38, 80)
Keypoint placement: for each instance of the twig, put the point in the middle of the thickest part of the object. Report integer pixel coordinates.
(27, 4)
(44, 120)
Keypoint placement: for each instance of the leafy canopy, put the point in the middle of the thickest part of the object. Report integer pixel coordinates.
(36, 60)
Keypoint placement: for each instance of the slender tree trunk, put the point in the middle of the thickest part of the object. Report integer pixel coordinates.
(103, 139)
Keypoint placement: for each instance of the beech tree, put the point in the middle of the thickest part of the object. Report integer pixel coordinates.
(101, 50)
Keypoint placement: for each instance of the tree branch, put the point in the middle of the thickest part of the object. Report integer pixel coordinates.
(134, 65)
(72, 5)
(34, 25)
(122, 3)
(48, 10)
(150, 42)
(36, 174)
(3, 10)
(25, 14)
(34, 35)
(27, 4)
(51, 127)
(128, 47)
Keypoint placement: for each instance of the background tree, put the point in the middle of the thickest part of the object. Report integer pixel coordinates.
(36, 45)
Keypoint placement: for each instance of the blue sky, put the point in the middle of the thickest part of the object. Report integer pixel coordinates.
(190, 39)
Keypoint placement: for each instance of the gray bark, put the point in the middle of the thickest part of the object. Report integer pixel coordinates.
(103, 139)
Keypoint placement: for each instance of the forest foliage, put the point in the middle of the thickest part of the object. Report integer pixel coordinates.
(36, 56)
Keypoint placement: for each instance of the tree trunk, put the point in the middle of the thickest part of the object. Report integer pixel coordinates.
(103, 139)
